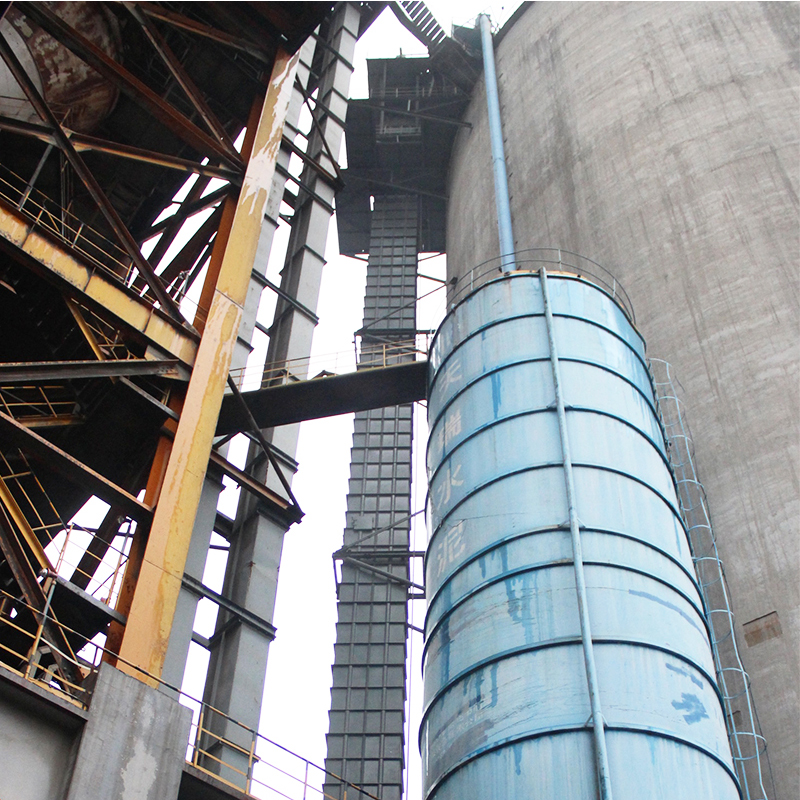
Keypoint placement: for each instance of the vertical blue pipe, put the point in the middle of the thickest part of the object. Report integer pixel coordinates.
(598, 723)
(508, 262)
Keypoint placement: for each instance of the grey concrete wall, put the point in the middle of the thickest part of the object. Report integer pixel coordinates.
(134, 744)
(661, 140)
(38, 737)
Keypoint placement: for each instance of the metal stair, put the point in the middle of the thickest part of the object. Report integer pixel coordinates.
(416, 17)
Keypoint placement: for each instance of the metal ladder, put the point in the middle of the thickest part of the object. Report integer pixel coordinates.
(748, 746)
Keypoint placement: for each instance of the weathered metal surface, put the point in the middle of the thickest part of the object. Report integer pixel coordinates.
(325, 397)
(21, 372)
(13, 433)
(506, 701)
(97, 287)
(150, 619)
(106, 208)
(118, 76)
(78, 95)
(81, 143)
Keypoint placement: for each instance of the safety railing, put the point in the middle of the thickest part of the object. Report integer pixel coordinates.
(27, 650)
(91, 245)
(373, 351)
(248, 761)
(369, 354)
(67, 547)
(748, 746)
(42, 403)
(218, 745)
(72, 551)
(74, 233)
(555, 261)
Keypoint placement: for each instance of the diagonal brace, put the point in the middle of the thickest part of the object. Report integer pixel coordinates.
(99, 197)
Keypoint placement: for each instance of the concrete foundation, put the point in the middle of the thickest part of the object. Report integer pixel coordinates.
(129, 745)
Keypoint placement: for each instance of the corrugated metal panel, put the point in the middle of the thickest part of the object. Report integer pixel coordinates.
(506, 701)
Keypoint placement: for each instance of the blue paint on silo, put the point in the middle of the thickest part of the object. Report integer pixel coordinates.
(507, 711)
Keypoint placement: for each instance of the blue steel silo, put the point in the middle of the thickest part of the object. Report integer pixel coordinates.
(560, 583)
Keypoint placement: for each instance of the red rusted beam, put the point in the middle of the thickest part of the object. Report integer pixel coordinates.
(82, 142)
(207, 32)
(34, 596)
(56, 459)
(191, 251)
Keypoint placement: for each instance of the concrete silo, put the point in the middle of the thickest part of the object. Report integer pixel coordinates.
(662, 141)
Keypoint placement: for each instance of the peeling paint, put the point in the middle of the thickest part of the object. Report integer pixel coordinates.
(690, 703)
(686, 674)
(139, 773)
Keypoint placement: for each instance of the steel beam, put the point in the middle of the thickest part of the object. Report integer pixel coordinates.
(208, 518)
(268, 284)
(418, 114)
(146, 635)
(116, 74)
(186, 210)
(242, 614)
(73, 470)
(34, 596)
(89, 181)
(255, 488)
(98, 547)
(238, 659)
(15, 513)
(325, 397)
(82, 142)
(96, 287)
(213, 34)
(190, 254)
(33, 371)
(184, 81)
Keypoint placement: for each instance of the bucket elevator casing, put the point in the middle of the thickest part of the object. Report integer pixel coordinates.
(506, 705)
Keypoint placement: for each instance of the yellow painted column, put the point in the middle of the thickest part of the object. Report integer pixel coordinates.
(144, 642)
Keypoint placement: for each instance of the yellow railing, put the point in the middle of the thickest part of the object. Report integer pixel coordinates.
(367, 354)
(37, 402)
(66, 546)
(27, 625)
(78, 236)
(262, 767)
(218, 745)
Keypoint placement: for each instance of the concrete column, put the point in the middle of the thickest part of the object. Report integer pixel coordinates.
(134, 744)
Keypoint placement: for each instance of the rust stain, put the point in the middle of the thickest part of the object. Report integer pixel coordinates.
(79, 96)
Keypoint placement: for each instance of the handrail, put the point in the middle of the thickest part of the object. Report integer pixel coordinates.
(78, 236)
(555, 260)
(369, 354)
(267, 764)
(87, 242)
